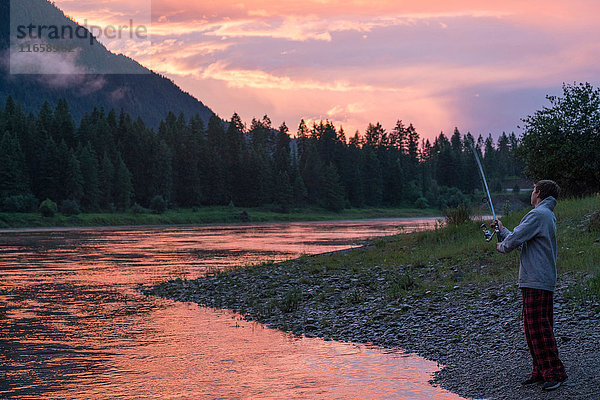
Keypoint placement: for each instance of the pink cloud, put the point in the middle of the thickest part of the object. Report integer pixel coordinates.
(358, 61)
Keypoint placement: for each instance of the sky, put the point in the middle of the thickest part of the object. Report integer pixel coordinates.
(480, 66)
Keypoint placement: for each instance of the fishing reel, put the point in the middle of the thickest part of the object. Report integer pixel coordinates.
(490, 233)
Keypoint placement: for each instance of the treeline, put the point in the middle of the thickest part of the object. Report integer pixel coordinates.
(111, 162)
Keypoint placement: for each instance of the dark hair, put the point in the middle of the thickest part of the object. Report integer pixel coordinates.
(547, 188)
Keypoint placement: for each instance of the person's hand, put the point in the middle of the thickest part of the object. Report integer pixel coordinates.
(498, 246)
(499, 224)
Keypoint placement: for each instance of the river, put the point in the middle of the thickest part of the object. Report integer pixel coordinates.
(74, 324)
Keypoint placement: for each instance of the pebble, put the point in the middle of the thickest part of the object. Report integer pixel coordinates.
(478, 339)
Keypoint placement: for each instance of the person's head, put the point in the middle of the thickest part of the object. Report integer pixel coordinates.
(542, 189)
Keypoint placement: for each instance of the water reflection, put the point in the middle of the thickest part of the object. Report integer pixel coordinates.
(74, 325)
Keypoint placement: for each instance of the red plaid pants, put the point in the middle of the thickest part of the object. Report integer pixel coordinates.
(538, 318)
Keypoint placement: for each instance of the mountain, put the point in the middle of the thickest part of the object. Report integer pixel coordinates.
(137, 90)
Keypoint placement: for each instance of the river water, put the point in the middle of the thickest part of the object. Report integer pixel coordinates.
(74, 325)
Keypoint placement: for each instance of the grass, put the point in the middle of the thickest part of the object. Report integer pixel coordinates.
(204, 215)
(455, 255)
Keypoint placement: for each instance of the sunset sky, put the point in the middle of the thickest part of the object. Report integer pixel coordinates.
(477, 65)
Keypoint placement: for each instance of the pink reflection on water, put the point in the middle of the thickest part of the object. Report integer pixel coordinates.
(74, 325)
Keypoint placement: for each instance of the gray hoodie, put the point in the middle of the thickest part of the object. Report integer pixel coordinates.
(535, 236)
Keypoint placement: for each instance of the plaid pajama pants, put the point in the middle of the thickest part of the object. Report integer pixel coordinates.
(538, 310)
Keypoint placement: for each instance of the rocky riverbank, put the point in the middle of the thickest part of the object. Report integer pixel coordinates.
(473, 329)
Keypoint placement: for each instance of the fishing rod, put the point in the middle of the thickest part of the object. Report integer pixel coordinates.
(487, 233)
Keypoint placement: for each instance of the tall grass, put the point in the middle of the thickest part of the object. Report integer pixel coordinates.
(203, 215)
(457, 253)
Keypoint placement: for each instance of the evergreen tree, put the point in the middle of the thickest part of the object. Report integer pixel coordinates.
(91, 180)
(503, 155)
(299, 191)
(284, 192)
(398, 137)
(312, 172)
(372, 177)
(72, 179)
(375, 135)
(63, 126)
(333, 191)
(47, 182)
(282, 149)
(356, 140)
(412, 144)
(45, 118)
(162, 169)
(106, 177)
(123, 187)
(302, 137)
(471, 179)
(13, 177)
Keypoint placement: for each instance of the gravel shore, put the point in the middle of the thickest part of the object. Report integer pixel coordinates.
(473, 330)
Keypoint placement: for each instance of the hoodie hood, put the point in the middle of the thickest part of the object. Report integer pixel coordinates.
(549, 202)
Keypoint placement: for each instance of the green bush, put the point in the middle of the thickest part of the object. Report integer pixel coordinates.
(421, 202)
(48, 208)
(70, 207)
(158, 204)
(291, 300)
(19, 203)
(137, 209)
(506, 208)
(451, 197)
(457, 215)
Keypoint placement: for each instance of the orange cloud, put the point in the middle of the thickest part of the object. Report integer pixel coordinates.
(262, 80)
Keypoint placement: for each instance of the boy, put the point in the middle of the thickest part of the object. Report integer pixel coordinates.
(535, 236)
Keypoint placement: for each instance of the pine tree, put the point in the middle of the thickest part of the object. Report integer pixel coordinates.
(162, 169)
(123, 187)
(73, 179)
(282, 149)
(312, 172)
(284, 192)
(412, 144)
(375, 135)
(333, 191)
(63, 126)
(13, 177)
(106, 177)
(299, 191)
(372, 177)
(47, 186)
(398, 137)
(302, 137)
(91, 181)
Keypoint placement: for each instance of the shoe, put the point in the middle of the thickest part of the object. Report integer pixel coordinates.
(533, 379)
(551, 385)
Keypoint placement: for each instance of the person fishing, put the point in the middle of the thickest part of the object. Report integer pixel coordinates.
(535, 237)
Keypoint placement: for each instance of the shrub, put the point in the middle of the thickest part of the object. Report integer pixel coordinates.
(451, 197)
(70, 207)
(291, 300)
(137, 209)
(421, 202)
(48, 208)
(457, 215)
(516, 188)
(19, 203)
(506, 208)
(158, 204)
